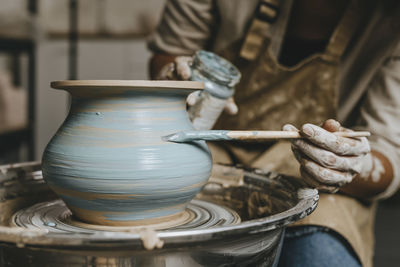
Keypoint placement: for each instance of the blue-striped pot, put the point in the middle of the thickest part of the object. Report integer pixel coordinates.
(108, 161)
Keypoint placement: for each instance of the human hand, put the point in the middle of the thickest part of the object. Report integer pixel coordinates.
(179, 69)
(327, 161)
(230, 106)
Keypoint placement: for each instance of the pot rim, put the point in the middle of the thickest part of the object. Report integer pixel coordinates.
(128, 84)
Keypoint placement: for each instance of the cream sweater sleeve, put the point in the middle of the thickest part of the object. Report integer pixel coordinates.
(185, 26)
(380, 114)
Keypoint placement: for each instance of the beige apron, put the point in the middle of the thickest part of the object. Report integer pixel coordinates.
(270, 95)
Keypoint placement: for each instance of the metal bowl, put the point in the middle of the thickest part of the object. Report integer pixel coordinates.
(266, 203)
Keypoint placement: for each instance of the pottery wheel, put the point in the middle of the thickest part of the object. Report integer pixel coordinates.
(56, 217)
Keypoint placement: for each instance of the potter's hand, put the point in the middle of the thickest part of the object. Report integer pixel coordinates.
(230, 105)
(329, 161)
(179, 69)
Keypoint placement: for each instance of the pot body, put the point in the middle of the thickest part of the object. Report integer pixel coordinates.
(109, 163)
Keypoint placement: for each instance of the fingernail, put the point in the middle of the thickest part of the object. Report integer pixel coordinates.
(308, 130)
(185, 74)
(286, 127)
(289, 127)
(233, 109)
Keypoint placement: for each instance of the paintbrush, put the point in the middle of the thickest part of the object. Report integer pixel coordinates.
(223, 135)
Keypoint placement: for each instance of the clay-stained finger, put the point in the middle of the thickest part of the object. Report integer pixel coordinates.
(167, 72)
(328, 159)
(192, 98)
(332, 125)
(230, 107)
(337, 144)
(310, 179)
(314, 184)
(321, 174)
(183, 67)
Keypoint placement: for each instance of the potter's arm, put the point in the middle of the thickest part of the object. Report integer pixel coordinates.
(375, 182)
(380, 114)
(184, 28)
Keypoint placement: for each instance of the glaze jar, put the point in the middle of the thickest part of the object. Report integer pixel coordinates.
(219, 77)
(108, 161)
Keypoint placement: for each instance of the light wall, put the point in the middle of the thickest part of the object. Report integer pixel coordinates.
(99, 59)
(117, 50)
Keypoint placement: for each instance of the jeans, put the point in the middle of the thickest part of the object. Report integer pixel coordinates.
(315, 246)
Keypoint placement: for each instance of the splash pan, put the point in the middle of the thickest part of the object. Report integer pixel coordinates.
(238, 219)
(55, 217)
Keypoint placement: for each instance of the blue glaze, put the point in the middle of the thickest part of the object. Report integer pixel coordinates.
(109, 163)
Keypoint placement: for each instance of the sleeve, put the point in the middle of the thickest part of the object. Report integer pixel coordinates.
(380, 114)
(185, 26)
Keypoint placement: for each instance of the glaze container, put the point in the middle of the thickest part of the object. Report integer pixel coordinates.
(108, 161)
(219, 77)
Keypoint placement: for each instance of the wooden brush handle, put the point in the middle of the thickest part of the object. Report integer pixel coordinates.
(221, 135)
(251, 135)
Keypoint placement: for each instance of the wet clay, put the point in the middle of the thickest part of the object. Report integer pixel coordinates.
(156, 224)
(225, 188)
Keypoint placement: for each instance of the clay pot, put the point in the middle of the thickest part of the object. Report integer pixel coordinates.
(108, 161)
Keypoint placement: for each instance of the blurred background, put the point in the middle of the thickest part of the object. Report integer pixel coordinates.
(39, 44)
(46, 40)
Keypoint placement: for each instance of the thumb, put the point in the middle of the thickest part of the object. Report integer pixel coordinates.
(192, 98)
(183, 67)
(332, 125)
(230, 107)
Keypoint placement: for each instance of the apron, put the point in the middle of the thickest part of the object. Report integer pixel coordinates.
(271, 94)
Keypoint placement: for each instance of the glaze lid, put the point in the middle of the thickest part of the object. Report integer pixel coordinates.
(127, 84)
(216, 68)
